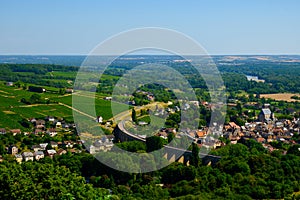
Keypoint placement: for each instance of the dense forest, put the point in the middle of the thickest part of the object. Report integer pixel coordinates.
(246, 171)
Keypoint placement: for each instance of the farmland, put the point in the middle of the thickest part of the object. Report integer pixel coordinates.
(13, 110)
(281, 97)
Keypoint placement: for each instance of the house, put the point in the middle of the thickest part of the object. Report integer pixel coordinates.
(99, 119)
(38, 155)
(150, 97)
(43, 146)
(68, 144)
(51, 119)
(69, 90)
(52, 132)
(40, 122)
(38, 131)
(58, 125)
(18, 158)
(36, 148)
(72, 151)
(91, 149)
(108, 98)
(54, 144)
(61, 152)
(201, 134)
(51, 153)
(10, 84)
(32, 120)
(15, 131)
(2, 131)
(13, 150)
(40, 127)
(265, 115)
(260, 139)
(27, 156)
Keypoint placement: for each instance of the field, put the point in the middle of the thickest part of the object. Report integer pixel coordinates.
(13, 110)
(280, 96)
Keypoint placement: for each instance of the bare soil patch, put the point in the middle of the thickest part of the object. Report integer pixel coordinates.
(281, 97)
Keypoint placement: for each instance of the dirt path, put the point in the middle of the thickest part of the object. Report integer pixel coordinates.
(80, 112)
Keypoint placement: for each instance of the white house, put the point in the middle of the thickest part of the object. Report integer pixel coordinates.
(27, 156)
(38, 155)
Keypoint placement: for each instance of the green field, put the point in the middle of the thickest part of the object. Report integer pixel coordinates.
(13, 110)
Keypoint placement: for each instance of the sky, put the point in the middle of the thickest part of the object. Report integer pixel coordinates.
(75, 27)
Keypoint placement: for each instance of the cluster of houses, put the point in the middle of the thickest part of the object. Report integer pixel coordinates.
(55, 125)
(267, 129)
(105, 144)
(39, 151)
(49, 125)
(264, 130)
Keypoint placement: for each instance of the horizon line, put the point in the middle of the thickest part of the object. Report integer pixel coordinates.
(282, 54)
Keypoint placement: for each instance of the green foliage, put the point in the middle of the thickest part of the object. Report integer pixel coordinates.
(195, 159)
(33, 180)
(177, 172)
(154, 143)
(133, 146)
(133, 115)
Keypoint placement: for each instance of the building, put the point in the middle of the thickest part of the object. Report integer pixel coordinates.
(54, 144)
(43, 146)
(13, 150)
(38, 155)
(58, 125)
(36, 148)
(18, 158)
(265, 115)
(51, 153)
(27, 156)
(15, 131)
(61, 152)
(52, 132)
(9, 84)
(2, 131)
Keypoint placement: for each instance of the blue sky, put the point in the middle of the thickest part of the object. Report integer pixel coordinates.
(220, 26)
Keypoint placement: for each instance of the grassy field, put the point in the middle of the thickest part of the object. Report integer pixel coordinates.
(13, 110)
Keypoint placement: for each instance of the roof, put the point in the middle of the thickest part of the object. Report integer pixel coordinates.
(39, 153)
(51, 151)
(266, 111)
(27, 154)
(52, 129)
(15, 130)
(18, 156)
(61, 151)
(201, 133)
(233, 125)
(3, 130)
(36, 146)
(53, 143)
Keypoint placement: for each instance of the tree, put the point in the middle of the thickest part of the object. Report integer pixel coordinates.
(35, 98)
(62, 91)
(195, 159)
(171, 136)
(154, 143)
(133, 115)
